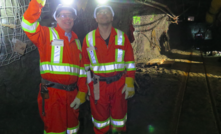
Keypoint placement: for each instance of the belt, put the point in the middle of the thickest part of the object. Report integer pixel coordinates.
(111, 79)
(70, 87)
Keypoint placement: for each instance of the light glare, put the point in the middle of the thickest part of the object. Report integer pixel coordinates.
(67, 2)
(102, 1)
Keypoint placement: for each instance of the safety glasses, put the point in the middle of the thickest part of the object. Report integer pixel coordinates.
(103, 12)
(67, 15)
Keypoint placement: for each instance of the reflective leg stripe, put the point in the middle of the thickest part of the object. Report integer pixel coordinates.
(101, 124)
(90, 40)
(82, 72)
(29, 27)
(78, 44)
(54, 132)
(65, 69)
(119, 122)
(73, 130)
(130, 66)
(119, 40)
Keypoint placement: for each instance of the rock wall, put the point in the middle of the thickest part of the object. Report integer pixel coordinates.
(19, 86)
(150, 34)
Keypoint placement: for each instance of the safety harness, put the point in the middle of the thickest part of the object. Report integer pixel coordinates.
(118, 65)
(56, 59)
(108, 80)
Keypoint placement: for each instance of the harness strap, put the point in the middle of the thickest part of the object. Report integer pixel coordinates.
(70, 87)
(111, 79)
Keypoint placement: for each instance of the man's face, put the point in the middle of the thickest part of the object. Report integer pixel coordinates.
(65, 19)
(104, 16)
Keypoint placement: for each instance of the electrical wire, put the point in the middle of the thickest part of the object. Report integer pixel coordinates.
(156, 4)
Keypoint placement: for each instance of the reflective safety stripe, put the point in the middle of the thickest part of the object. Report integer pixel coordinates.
(130, 66)
(53, 33)
(119, 55)
(118, 65)
(53, 68)
(78, 44)
(101, 124)
(90, 39)
(87, 67)
(82, 72)
(108, 68)
(119, 40)
(54, 132)
(119, 122)
(56, 51)
(29, 27)
(73, 130)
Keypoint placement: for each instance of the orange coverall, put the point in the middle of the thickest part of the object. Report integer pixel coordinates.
(111, 108)
(67, 69)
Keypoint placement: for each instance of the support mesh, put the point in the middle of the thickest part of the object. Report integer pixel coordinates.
(11, 12)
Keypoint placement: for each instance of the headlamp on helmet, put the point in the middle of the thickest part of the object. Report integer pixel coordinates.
(101, 1)
(67, 2)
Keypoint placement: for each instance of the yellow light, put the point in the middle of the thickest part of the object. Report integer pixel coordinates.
(102, 1)
(67, 2)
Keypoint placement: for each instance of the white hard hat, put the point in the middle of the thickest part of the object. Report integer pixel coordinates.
(103, 6)
(61, 6)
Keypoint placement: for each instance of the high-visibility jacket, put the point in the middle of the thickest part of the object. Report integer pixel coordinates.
(108, 60)
(60, 64)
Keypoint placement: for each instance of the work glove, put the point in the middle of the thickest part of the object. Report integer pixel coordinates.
(129, 88)
(79, 99)
(42, 2)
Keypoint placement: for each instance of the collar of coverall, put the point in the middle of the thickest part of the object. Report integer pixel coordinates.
(62, 32)
(113, 32)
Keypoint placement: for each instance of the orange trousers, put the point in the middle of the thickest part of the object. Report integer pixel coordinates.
(59, 116)
(111, 109)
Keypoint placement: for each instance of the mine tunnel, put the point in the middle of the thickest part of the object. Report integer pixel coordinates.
(177, 56)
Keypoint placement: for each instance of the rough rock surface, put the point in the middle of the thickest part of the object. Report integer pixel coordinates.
(150, 35)
(19, 83)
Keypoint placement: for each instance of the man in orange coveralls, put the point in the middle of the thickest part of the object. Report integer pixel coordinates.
(61, 68)
(108, 59)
